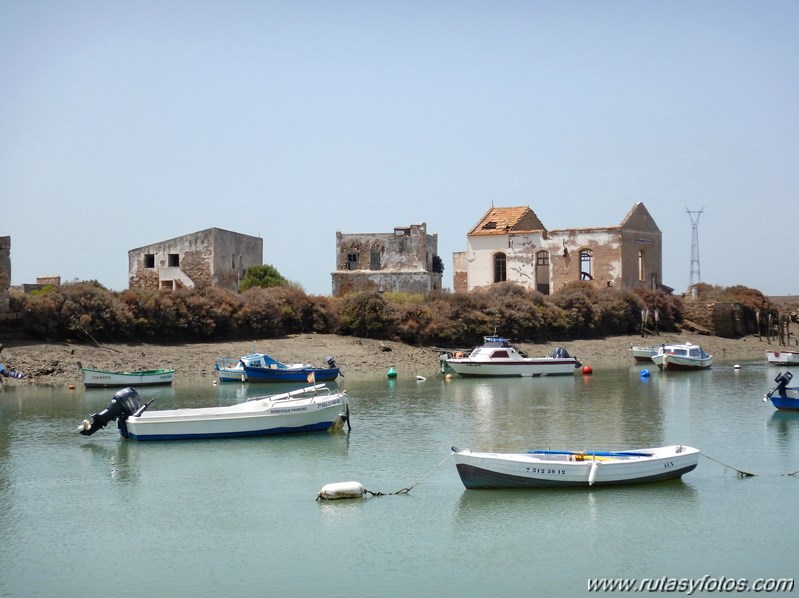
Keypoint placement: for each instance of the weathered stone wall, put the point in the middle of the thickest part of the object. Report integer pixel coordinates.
(722, 319)
(5, 272)
(398, 261)
(212, 257)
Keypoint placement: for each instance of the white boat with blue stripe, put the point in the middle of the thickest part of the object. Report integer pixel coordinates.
(311, 409)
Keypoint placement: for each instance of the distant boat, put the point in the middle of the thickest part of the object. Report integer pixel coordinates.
(782, 357)
(682, 358)
(93, 377)
(274, 371)
(498, 357)
(559, 469)
(309, 409)
(232, 370)
(783, 397)
(642, 354)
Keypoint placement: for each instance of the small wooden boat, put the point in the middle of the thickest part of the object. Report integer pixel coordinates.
(92, 377)
(557, 469)
(784, 397)
(682, 358)
(782, 357)
(309, 409)
(498, 357)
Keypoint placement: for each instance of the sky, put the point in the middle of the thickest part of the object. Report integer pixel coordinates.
(123, 124)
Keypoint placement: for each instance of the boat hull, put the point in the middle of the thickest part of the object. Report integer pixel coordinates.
(98, 378)
(258, 417)
(673, 363)
(256, 374)
(786, 399)
(643, 354)
(782, 357)
(532, 368)
(526, 470)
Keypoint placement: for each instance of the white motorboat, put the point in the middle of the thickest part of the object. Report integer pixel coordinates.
(310, 409)
(682, 357)
(498, 357)
(780, 357)
(548, 468)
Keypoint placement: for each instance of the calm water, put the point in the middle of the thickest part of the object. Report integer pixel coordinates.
(101, 516)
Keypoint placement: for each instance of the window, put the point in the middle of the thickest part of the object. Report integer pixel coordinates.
(542, 272)
(585, 264)
(500, 265)
(374, 260)
(149, 260)
(174, 260)
(641, 269)
(352, 261)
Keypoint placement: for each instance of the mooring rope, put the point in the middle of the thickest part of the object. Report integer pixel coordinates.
(411, 487)
(741, 474)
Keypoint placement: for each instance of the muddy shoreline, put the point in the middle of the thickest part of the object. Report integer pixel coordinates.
(56, 363)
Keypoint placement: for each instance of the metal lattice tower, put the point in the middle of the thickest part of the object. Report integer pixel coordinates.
(694, 215)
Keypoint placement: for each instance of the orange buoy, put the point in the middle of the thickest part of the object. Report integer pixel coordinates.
(587, 370)
(71, 387)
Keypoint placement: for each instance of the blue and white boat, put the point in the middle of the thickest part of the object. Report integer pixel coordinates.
(312, 409)
(274, 371)
(784, 397)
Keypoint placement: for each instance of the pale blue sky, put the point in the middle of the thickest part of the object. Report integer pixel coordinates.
(126, 123)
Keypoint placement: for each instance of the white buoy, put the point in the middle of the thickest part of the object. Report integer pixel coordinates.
(341, 490)
(736, 367)
(421, 378)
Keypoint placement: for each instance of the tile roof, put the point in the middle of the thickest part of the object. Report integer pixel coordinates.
(500, 221)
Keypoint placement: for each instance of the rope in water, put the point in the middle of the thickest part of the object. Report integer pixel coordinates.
(741, 474)
(411, 487)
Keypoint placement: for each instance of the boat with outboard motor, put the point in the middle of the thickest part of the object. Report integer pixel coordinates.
(310, 409)
(558, 469)
(784, 397)
(498, 357)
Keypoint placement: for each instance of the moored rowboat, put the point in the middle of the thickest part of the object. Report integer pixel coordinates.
(547, 469)
(92, 377)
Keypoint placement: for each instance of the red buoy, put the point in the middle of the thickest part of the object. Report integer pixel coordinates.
(587, 370)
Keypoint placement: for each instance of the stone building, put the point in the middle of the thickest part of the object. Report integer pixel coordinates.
(211, 257)
(405, 260)
(511, 244)
(5, 272)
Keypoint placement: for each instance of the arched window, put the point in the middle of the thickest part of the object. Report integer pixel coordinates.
(641, 269)
(586, 255)
(500, 267)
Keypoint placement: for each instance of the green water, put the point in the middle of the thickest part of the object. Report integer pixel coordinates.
(101, 516)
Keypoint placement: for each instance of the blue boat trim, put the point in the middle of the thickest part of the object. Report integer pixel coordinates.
(318, 427)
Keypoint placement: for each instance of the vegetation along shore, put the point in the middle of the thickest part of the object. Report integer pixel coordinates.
(82, 324)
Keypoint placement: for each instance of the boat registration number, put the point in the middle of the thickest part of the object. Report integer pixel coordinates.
(546, 470)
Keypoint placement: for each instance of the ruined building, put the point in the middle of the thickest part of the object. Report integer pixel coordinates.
(211, 257)
(511, 244)
(405, 260)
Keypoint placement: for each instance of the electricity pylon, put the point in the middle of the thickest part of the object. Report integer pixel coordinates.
(694, 215)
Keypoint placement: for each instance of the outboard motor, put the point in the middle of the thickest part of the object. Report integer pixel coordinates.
(331, 363)
(782, 381)
(559, 353)
(124, 403)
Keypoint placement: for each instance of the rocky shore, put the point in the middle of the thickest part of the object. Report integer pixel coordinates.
(59, 363)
